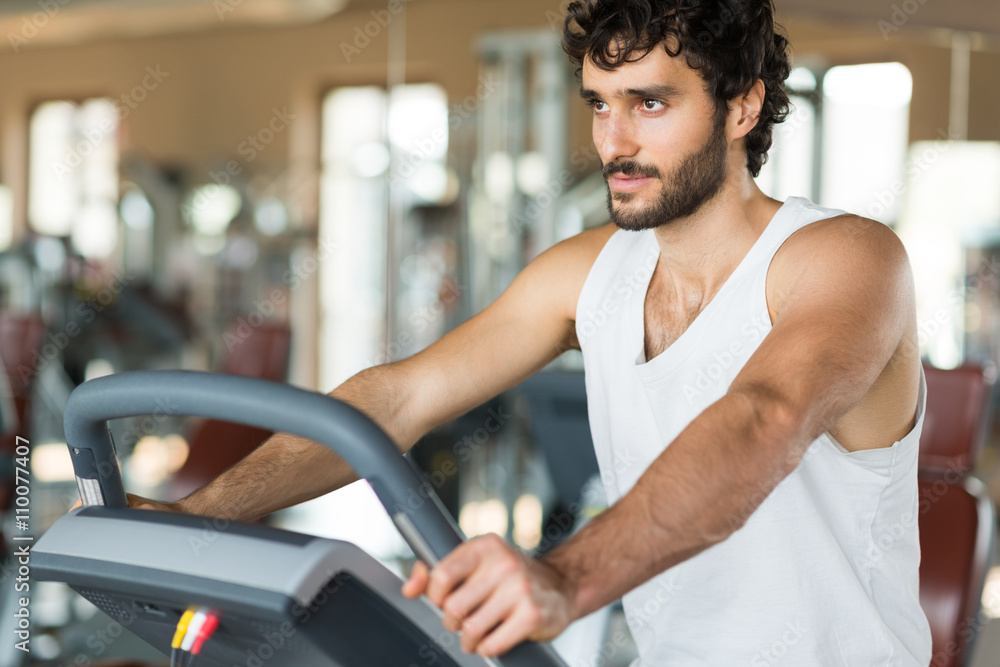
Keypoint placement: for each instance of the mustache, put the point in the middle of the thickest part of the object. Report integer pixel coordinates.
(629, 168)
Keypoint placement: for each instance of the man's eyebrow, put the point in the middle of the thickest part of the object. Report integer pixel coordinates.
(661, 91)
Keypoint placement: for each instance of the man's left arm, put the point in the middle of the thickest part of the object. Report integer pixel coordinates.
(843, 298)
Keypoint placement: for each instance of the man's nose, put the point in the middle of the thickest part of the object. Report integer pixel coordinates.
(616, 140)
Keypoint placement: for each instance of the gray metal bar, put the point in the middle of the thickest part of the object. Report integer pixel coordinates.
(276, 407)
(267, 405)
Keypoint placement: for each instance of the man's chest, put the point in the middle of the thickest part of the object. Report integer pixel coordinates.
(665, 319)
(666, 315)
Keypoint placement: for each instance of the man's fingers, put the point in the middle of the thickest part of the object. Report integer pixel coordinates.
(493, 594)
(452, 571)
(134, 501)
(491, 613)
(140, 503)
(468, 597)
(517, 627)
(417, 583)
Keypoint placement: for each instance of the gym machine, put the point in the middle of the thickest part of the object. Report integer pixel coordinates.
(282, 599)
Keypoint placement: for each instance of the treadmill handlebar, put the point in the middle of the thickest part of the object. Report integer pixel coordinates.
(412, 503)
(267, 405)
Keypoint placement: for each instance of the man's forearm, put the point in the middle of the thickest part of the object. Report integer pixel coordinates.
(695, 494)
(287, 470)
(284, 471)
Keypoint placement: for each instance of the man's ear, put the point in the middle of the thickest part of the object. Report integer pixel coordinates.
(750, 106)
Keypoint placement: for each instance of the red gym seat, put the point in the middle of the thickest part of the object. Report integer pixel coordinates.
(20, 342)
(262, 352)
(957, 520)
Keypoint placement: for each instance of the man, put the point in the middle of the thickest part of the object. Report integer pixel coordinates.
(753, 378)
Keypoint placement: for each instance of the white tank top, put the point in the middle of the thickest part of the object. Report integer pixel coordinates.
(825, 570)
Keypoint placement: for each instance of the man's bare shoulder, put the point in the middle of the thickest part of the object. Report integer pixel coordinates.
(587, 245)
(561, 271)
(843, 234)
(568, 262)
(843, 248)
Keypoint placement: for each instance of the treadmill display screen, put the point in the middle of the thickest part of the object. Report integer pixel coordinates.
(352, 626)
(357, 627)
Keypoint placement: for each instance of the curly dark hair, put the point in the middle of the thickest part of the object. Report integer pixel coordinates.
(732, 43)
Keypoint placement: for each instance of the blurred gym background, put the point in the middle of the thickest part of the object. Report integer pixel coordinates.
(299, 189)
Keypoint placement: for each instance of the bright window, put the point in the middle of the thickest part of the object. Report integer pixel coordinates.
(857, 162)
(353, 210)
(376, 145)
(866, 111)
(6, 218)
(73, 174)
(788, 171)
(383, 153)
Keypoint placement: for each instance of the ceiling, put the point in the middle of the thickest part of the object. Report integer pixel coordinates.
(968, 15)
(30, 23)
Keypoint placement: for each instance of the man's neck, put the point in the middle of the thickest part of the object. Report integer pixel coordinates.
(698, 253)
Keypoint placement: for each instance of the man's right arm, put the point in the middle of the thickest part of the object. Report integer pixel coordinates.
(528, 326)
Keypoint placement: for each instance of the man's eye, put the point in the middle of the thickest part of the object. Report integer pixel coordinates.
(598, 106)
(652, 105)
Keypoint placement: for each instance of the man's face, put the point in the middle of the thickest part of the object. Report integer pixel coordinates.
(664, 153)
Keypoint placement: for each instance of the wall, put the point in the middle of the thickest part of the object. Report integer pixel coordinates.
(223, 85)
(220, 86)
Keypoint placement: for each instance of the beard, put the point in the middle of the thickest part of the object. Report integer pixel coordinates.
(695, 181)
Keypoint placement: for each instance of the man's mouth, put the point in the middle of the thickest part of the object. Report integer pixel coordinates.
(623, 183)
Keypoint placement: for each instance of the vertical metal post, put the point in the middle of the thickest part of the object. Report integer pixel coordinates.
(958, 108)
(549, 127)
(395, 204)
(817, 152)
